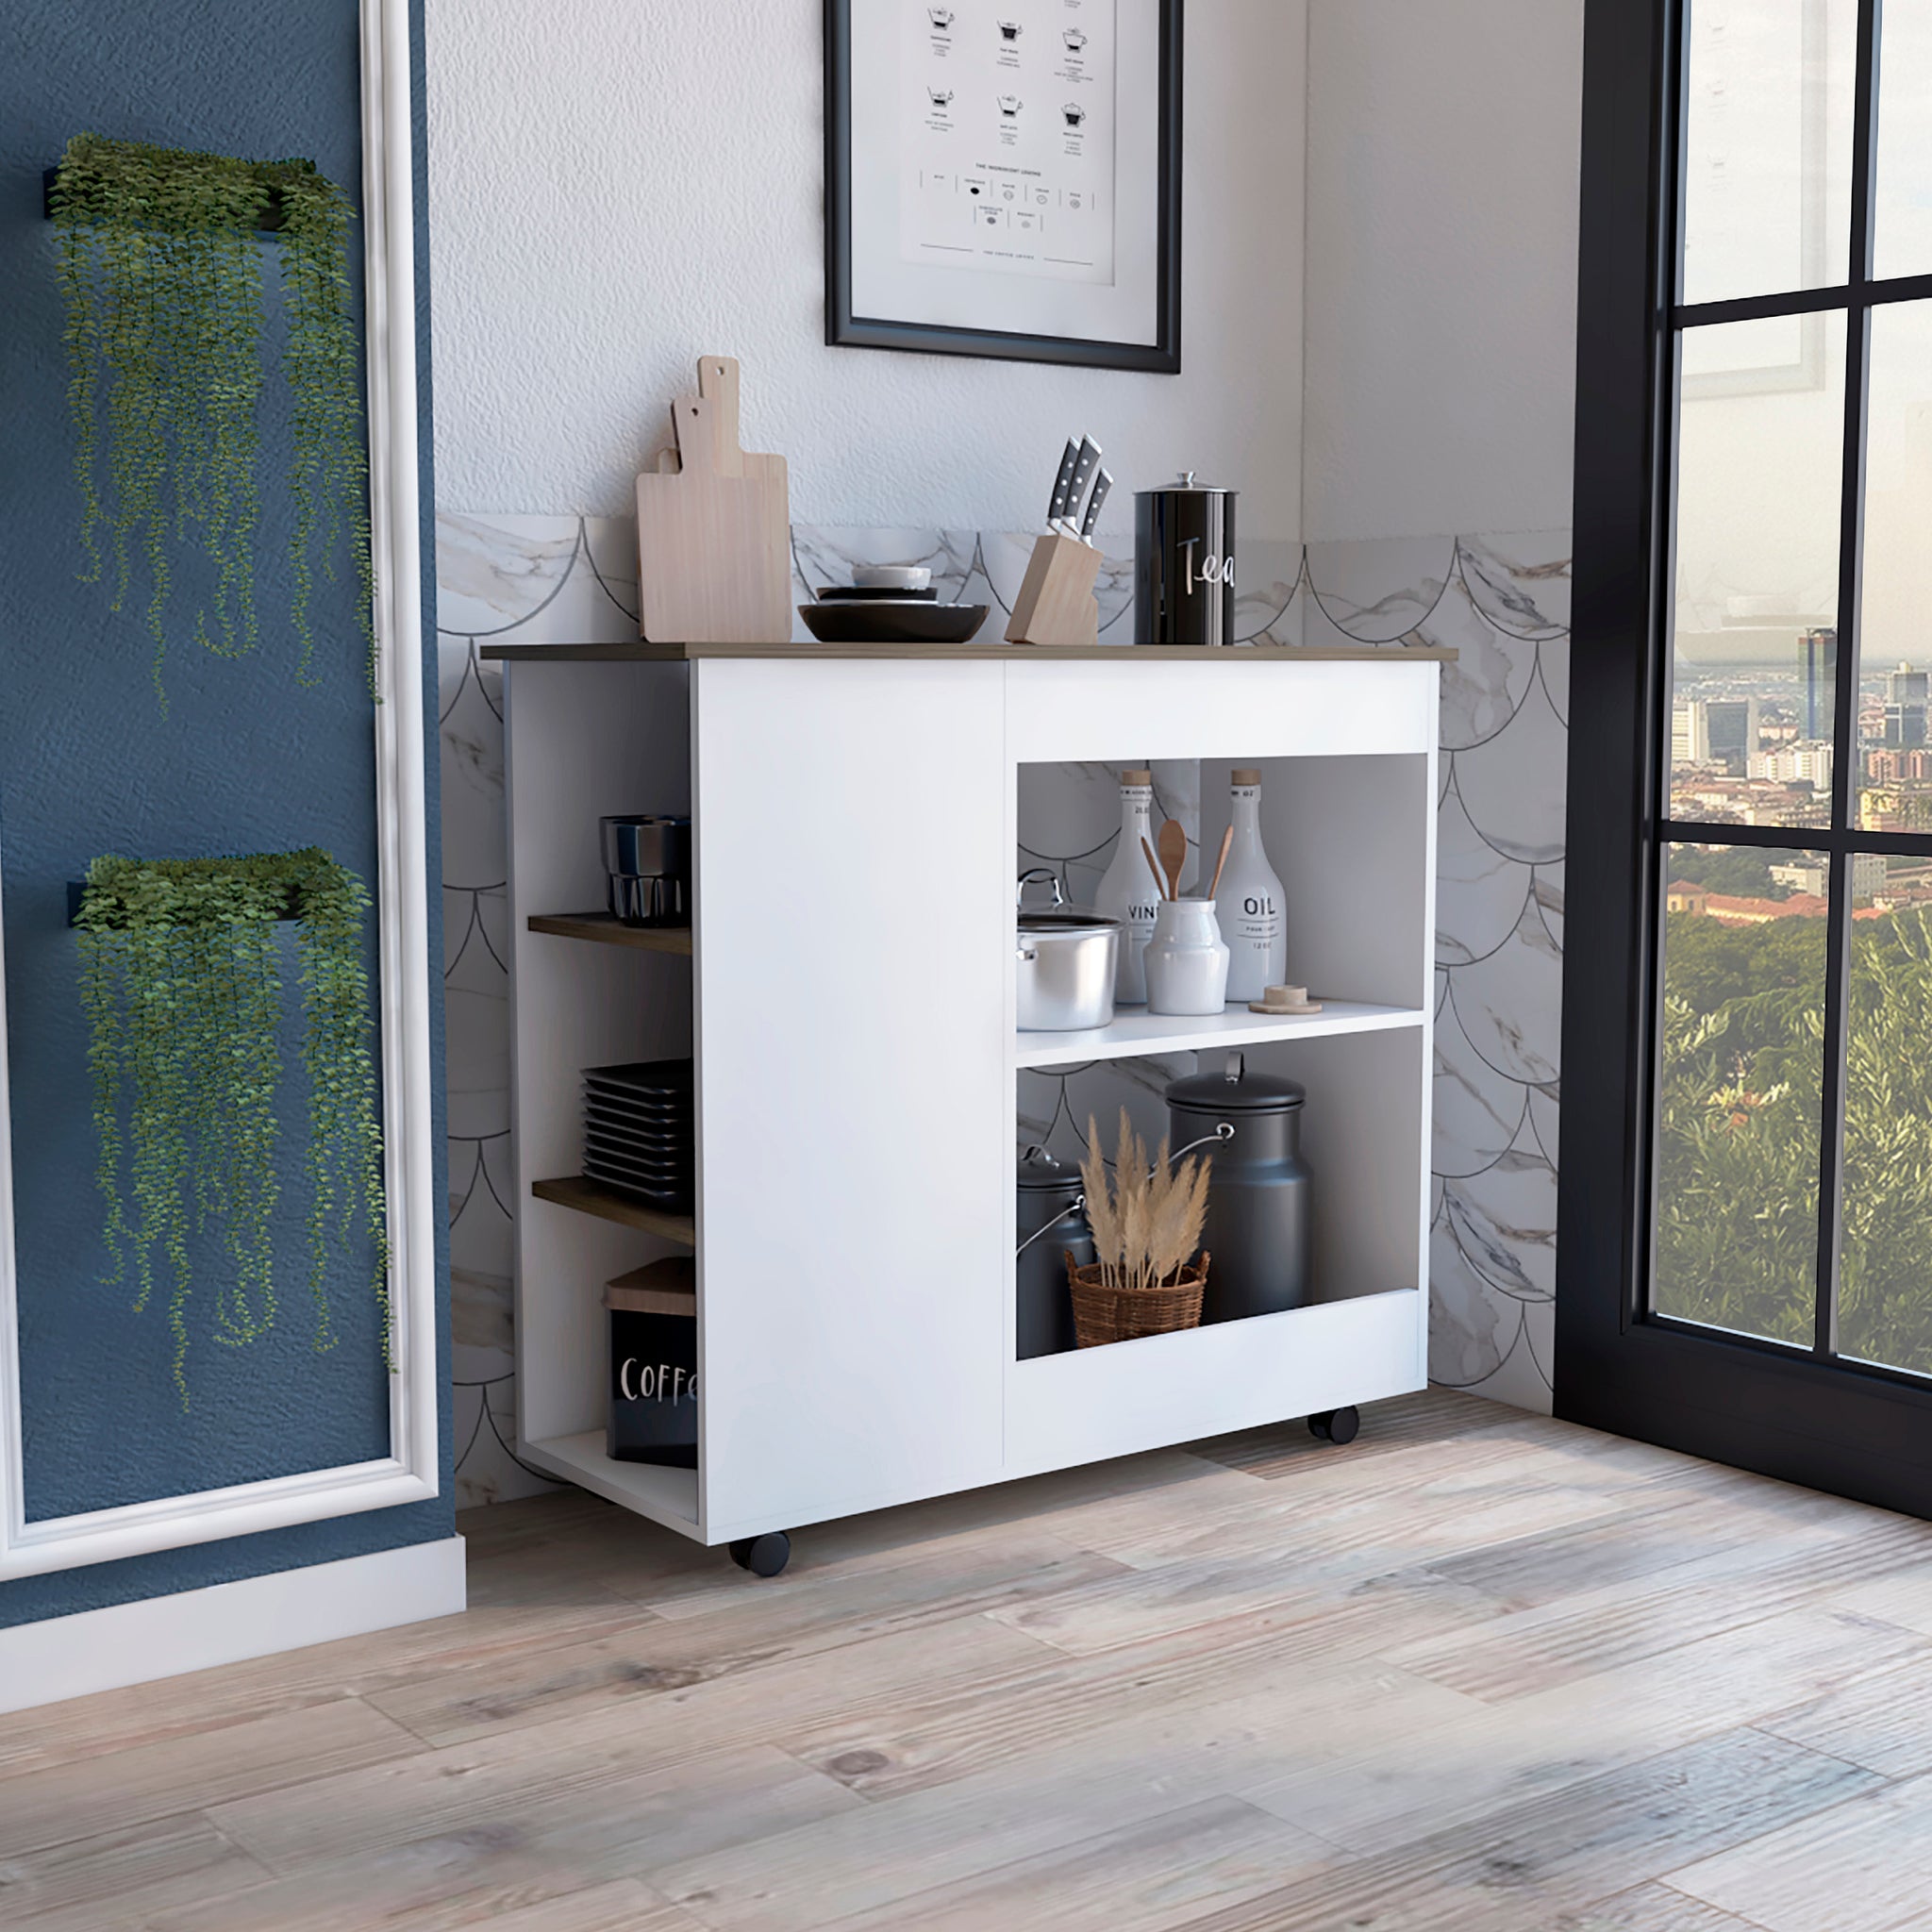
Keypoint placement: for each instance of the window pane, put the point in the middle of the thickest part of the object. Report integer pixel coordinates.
(1894, 644)
(1767, 147)
(1739, 1078)
(1754, 645)
(1885, 1270)
(1902, 214)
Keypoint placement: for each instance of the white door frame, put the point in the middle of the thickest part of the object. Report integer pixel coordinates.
(410, 1473)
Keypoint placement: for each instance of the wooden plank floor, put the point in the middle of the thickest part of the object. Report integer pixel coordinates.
(1476, 1671)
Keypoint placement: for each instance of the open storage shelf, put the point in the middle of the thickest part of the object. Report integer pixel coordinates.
(600, 929)
(1091, 1403)
(610, 1204)
(1136, 1032)
(669, 1496)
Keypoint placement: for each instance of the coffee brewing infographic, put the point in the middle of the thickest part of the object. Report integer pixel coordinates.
(1006, 144)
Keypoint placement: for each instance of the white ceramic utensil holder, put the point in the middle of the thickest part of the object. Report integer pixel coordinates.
(1186, 959)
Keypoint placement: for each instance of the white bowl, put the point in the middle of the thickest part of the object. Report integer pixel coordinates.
(892, 577)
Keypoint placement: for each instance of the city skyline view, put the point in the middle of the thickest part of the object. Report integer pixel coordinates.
(1752, 743)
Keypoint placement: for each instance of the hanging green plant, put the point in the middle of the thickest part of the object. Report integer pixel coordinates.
(181, 982)
(160, 267)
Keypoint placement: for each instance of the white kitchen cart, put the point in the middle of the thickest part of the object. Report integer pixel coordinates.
(847, 991)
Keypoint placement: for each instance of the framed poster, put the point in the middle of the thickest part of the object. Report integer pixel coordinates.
(1003, 178)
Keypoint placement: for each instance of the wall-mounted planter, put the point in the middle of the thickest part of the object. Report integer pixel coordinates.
(269, 222)
(162, 279)
(181, 978)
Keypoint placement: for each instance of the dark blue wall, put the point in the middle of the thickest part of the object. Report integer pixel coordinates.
(243, 761)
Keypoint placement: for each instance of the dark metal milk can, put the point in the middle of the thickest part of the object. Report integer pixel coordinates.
(1258, 1224)
(1051, 1220)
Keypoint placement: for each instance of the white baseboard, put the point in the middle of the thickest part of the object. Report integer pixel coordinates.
(166, 1636)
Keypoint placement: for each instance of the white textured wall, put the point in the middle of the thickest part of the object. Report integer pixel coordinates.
(1441, 323)
(618, 186)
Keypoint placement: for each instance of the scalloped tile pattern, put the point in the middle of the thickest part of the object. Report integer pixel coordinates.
(1503, 601)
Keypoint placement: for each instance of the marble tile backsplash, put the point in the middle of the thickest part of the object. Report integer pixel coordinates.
(1501, 600)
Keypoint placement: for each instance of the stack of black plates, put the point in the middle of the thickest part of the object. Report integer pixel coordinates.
(638, 1134)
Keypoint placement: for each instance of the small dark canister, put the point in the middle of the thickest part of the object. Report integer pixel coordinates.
(653, 1415)
(1051, 1222)
(1184, 589)
(1258, 1225)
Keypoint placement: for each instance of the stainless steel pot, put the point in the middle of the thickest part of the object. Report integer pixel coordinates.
(1065, 961)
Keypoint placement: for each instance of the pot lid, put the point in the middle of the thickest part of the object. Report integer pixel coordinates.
(1186, 485)
(1067, 922)
(1231, 1089)
(1039, 1172)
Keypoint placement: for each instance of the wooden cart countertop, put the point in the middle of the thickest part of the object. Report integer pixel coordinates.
(1109, 654)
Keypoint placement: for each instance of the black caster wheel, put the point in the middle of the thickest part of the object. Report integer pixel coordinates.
(763, 1556)
(1336, 1424)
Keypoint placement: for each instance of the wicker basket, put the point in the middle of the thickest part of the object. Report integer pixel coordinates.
(1103, 1314)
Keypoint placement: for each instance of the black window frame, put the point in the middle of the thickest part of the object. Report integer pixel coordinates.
(1807, 1417)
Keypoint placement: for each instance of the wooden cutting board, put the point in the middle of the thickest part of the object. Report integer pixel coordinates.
(714, 527)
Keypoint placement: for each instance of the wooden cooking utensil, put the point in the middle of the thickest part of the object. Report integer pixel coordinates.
(714, 537)
(1226, 846)
(1174, 854)
(1153, 866)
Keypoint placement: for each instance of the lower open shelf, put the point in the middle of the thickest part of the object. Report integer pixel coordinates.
(1090, 1404)
(610, 1204)
(669, 1496)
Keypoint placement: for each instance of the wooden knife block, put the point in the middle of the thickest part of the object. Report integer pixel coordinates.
(1056, 605)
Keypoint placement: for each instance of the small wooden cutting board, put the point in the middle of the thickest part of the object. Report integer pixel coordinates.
(714, 527)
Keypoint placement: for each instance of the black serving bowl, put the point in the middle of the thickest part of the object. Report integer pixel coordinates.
(893, 620)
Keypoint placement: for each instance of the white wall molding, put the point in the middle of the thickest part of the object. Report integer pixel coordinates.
(198, 1629)
(410, 1473)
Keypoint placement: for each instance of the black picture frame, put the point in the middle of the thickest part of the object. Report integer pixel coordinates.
(845, 329)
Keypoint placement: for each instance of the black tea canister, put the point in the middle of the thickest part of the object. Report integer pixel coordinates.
(1184, 589)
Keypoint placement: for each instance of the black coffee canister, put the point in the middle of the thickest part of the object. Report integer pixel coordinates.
(1184, 591)
(1049, 1196)
(1258, 1225)
(653, 1413)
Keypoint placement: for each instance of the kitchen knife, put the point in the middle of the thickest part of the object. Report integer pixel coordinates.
(1062, 499)
(1102, 484)
(1087, 461)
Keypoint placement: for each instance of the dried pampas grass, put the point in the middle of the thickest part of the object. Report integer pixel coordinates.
(1147, 1216)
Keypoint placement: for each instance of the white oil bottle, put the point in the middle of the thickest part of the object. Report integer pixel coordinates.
(1127, 891)
(1250, 904)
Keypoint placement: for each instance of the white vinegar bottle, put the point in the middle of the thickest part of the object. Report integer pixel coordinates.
(1251, 905)
(1127, 892)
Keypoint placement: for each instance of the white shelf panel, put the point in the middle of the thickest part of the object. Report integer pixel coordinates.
(669, 1496)
(1094, 1403)
(1135, 1031)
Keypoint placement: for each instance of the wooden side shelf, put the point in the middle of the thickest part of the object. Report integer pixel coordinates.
(607, 931)
(592, 1197)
